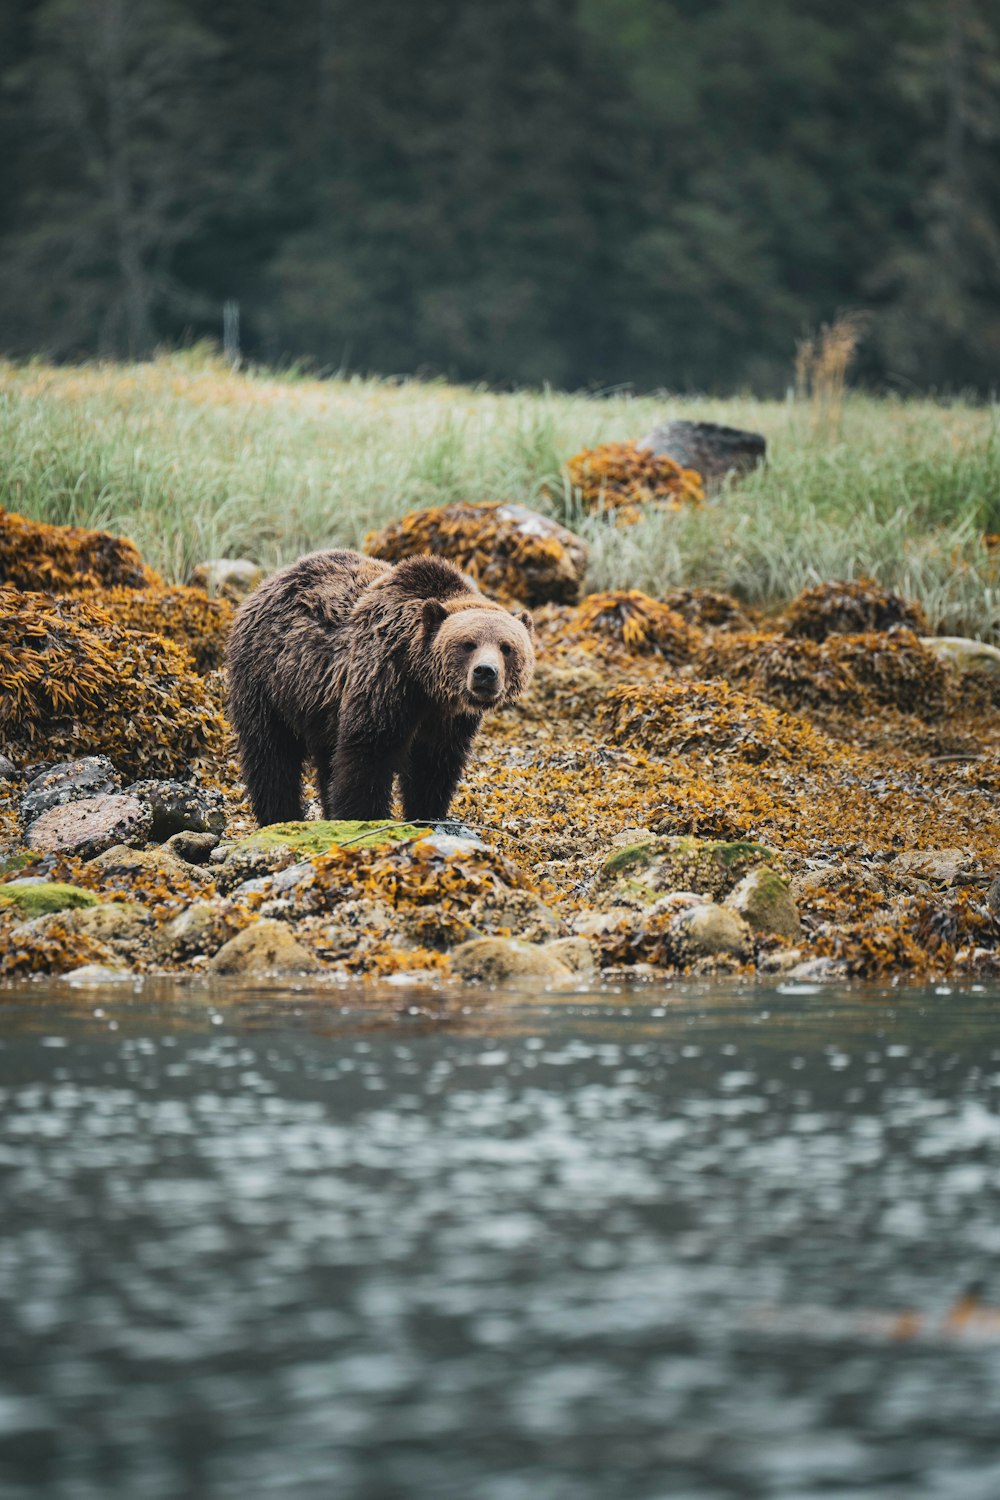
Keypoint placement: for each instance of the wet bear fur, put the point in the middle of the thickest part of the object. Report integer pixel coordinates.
(371, 671)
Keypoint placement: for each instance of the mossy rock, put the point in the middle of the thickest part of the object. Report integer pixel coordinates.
(644, 871)
(320, 835)
(31, 900)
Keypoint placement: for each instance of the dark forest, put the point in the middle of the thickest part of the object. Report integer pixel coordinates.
(586, 193)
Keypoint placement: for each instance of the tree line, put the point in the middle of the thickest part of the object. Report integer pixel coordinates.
(587, 193)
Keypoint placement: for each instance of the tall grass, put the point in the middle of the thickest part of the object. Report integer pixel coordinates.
(192, 461)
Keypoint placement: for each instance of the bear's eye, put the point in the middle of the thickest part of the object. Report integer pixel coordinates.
(468, 645)
(505, 649)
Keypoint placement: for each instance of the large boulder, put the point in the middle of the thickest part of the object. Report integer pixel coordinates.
(499, 960)
(87, 827)
(267, 947)
(69, 781)
(181, 807)
(711, 450)
(511, 552)
(231, 577)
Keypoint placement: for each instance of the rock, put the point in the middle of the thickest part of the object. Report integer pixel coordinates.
(194, 930)
(823, 970)
(318, 835)
(963, 654)
(93, 824)
(233, 576)
(37, 898)
(780, 961)
(510, 551)
(993, 896)
(594, 924)
(577, 954)
(497, 960)
(180, 807)
(712, 450)
(8, 771)
(762, 898)
(508, 909)
(193, 848)
(114, 921)
(708, 930)
(265, 948)
(95, 975)
(70, 781)
(120, 860)
(640, 873)
(939, 866)
(248, 862)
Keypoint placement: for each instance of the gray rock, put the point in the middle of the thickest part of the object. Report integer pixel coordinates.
(939, 867)
(498, 960)
(180, 807)
(821, 970)
(762, 898)
(234, 576)
(8, 770)
(963, 653)
(69, 781)
(250, 862)
(708, 931)
(91, 825)
(194, 930)
(194, 848)
(95, 975)
(577, 954)
(714, 451)
(265, 948)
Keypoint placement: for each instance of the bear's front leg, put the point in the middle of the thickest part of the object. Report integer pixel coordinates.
(434, 765)
(359, 783)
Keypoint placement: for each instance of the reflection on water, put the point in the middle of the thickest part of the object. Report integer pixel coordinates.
(671, 1244)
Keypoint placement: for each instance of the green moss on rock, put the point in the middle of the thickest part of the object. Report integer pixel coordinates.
(31, 900)
(320, 835)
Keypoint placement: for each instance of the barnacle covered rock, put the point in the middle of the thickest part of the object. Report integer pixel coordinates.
(88, 826)
(506, 960)
(46, 945)
(70, 781)
(67, 559)
(511, 552)
(74, 681)
(265, 947)
(641, 873)
(851, 608)
(623, 479)
(707, 609)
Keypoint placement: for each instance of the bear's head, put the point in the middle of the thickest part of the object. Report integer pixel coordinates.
(480, 655)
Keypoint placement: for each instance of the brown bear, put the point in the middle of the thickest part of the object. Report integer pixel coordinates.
(370, 671)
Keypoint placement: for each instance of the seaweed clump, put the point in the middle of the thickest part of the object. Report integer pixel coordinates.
(890, 669)
(626, 480)
(640, 624)
(851, 608)
(510, 551)
(188, 616)
(683, 718)
(74, 681)
(68, 559)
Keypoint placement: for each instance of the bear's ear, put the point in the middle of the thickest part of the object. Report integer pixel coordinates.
(432, 614)
(525, 618)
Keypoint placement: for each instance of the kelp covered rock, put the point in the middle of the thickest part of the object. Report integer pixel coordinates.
(511, 552)
(694, 719)
(643, 626)
(185, 615)
(851, 608)
(891, 669)
(67, 559)
(624, 480)
(74, 681)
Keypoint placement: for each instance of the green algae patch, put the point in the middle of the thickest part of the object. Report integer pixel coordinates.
(31, 900)
(631, 857)
(321, 835)
(645, 871)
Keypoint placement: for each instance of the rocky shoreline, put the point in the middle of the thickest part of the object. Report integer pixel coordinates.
(688, 787)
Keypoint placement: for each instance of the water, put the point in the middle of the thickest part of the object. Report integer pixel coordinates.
(681, 1243)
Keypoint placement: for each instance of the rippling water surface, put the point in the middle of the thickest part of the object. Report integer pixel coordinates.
(684, 1243)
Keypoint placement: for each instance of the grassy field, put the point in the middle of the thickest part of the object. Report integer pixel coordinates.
(193, 461)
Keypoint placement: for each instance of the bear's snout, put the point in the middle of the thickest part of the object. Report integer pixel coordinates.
(485, 679)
